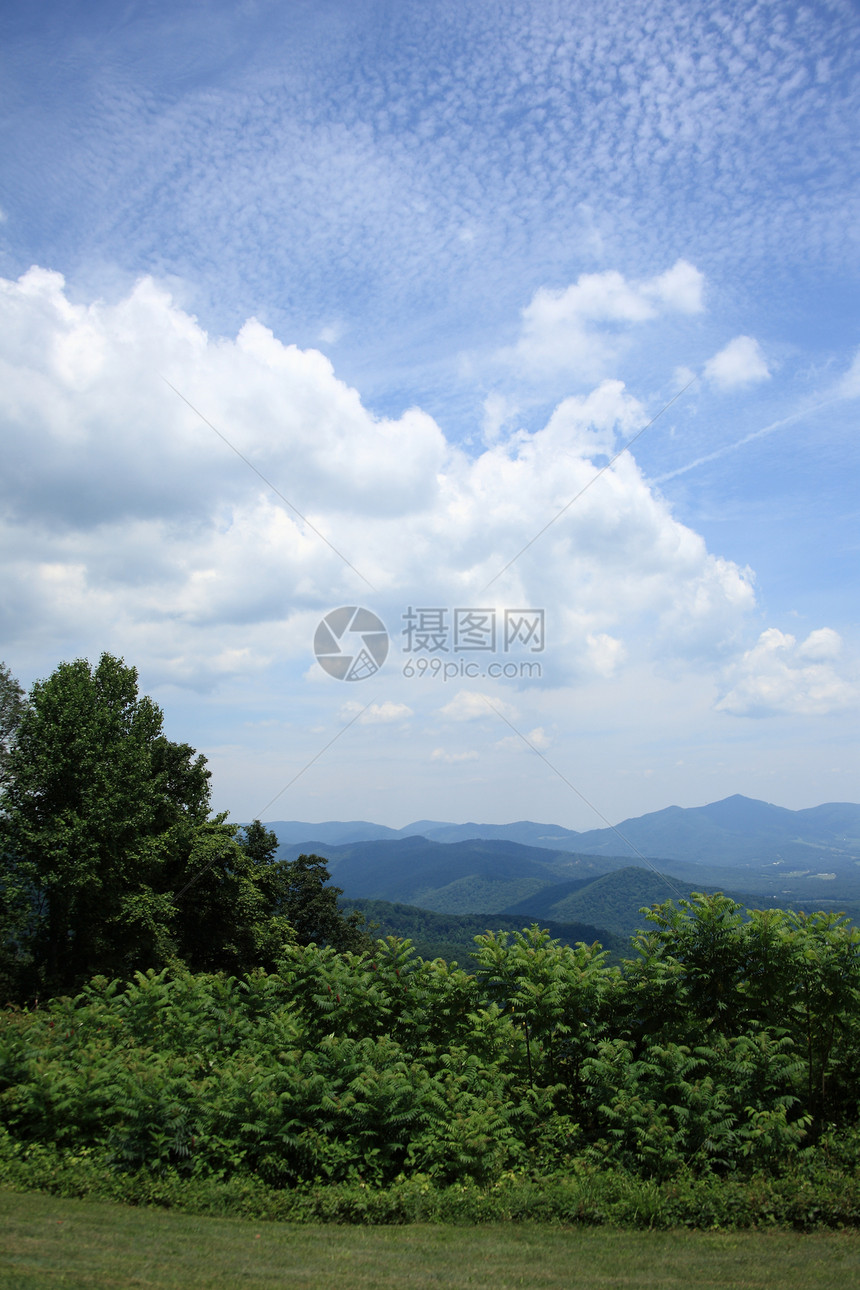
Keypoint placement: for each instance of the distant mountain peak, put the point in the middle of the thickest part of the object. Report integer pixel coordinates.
(736, 830)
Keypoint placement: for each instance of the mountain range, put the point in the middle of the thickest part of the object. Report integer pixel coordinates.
(736, 830)
(761, 855)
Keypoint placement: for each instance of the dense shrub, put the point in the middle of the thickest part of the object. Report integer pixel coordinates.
(381, 1087)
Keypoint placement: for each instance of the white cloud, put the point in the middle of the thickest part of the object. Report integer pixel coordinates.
(127, 523)
(680, 288)
(606, 653)
(470, 705)
(377, 713)
(739, 364)
(822, 644)
(498, 411)
(84, 391)
(581, 328)
(538, 738)
(451, 758)
(778, 675)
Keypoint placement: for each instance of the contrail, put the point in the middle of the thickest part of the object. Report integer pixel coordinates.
(739, 443)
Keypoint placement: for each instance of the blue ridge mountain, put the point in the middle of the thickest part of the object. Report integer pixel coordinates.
(735, 831)
(761, 855)
(480, 877)
(613, 900)
(333, 833)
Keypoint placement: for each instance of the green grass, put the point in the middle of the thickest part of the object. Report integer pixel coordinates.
(45, 1242)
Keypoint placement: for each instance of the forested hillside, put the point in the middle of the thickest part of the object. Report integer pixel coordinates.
(613, 900)
(452, 936)
(496, 877)
(461, 877)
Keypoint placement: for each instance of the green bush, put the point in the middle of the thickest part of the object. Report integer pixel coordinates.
(378, 1086)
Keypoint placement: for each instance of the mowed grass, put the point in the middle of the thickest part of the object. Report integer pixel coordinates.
(51, 1242)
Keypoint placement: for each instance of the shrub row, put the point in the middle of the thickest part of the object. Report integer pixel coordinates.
(815, 1197)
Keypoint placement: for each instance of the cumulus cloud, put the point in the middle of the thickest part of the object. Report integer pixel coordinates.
(452, 758)
(780, 675)
(125, 521)
(538, 738)
(606, 652)
(377, 713)
(822, 644)
(581, 327)
(471, 705)
(84, 393)
(680, 288)
(739, 364)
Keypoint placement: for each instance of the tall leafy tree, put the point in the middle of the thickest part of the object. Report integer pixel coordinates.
(305, 897)
(96, 805)
(110, 861)
(247, 905)
(228, 892)
(259, 843)
(12, 705)
(15, 905)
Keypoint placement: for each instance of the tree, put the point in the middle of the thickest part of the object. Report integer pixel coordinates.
(238, 907)
(110, 862)
(305, 898)
(228, 898)
(558, 994)
(12, 706)
(258, 842)
(15, 906)
(97, 808)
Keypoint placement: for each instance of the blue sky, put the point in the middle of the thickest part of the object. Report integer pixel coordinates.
(428, 268)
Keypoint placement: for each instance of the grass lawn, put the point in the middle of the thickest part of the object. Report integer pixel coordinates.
(49, 1242)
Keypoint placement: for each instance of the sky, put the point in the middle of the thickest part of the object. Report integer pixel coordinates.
(527, 332)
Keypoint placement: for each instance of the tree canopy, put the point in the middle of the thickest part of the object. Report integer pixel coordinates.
(111, 859)
(12, 705)
(96, 802)
(310, 904)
